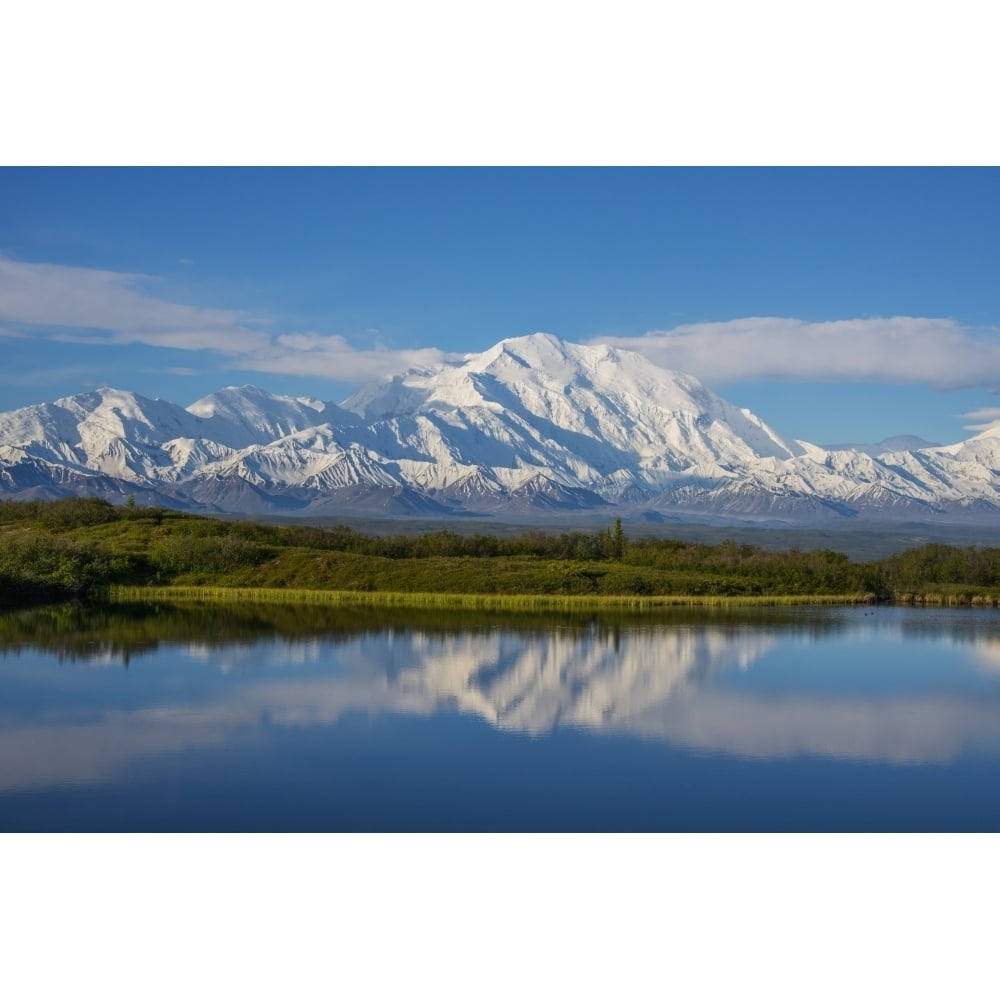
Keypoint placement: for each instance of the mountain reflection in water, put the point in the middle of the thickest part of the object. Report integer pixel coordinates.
(749, 685)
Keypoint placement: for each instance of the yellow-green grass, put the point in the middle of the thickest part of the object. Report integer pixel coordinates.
(497, 602)
(952, 598)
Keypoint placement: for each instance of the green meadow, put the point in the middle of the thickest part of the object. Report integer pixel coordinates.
(53, 551)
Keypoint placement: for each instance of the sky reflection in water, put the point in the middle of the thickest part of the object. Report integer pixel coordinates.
(901, 687)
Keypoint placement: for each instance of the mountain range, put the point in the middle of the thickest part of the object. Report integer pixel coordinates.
(532, 427)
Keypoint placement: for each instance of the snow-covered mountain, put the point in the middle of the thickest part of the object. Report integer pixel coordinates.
(534, 424)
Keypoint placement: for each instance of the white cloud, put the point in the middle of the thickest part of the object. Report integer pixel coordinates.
(935, 352)
(986, 414)
(982, 419)
(88, 306)
(332, 356)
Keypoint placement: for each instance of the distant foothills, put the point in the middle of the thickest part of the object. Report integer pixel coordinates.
(533, 428)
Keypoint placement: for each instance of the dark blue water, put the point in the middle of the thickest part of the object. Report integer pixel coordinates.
(811, 719)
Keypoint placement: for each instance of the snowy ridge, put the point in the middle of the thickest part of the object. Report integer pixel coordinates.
(532, 424)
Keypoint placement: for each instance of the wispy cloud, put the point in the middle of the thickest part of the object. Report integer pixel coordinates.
(88, 306)
(315, 354)
(936, 352)
(55, 375)
(982, 419)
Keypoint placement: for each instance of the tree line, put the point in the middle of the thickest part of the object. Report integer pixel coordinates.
(72, 547)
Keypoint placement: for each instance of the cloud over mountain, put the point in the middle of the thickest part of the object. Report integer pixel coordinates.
(935, 352)
(100, 307)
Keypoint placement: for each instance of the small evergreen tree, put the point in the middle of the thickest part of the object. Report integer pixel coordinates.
(618, 541)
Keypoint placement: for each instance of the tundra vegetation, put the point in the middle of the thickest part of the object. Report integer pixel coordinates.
(80, 548)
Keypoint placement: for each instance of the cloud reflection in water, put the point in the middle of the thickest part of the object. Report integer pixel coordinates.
(662, 684)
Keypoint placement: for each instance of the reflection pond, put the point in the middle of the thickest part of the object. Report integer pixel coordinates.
(309, 718)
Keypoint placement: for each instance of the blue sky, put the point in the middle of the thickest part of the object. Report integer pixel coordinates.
(839, 304)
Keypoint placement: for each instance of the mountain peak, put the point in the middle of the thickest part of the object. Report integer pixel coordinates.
(533, 350)
(242, 397)
(573, 425)
(240, 416)
(104, 395)
(538, 341)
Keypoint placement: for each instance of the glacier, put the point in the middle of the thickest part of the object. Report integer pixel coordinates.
(533, 426)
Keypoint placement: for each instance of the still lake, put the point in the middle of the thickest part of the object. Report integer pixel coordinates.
(294, 719)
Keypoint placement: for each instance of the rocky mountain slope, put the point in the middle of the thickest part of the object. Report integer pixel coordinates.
(533, 425)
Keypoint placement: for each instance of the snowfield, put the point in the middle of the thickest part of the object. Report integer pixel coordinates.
(534, 424)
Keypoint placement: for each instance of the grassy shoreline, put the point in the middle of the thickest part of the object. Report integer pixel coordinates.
(479, 602)
(87, 550)
(525, 602)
